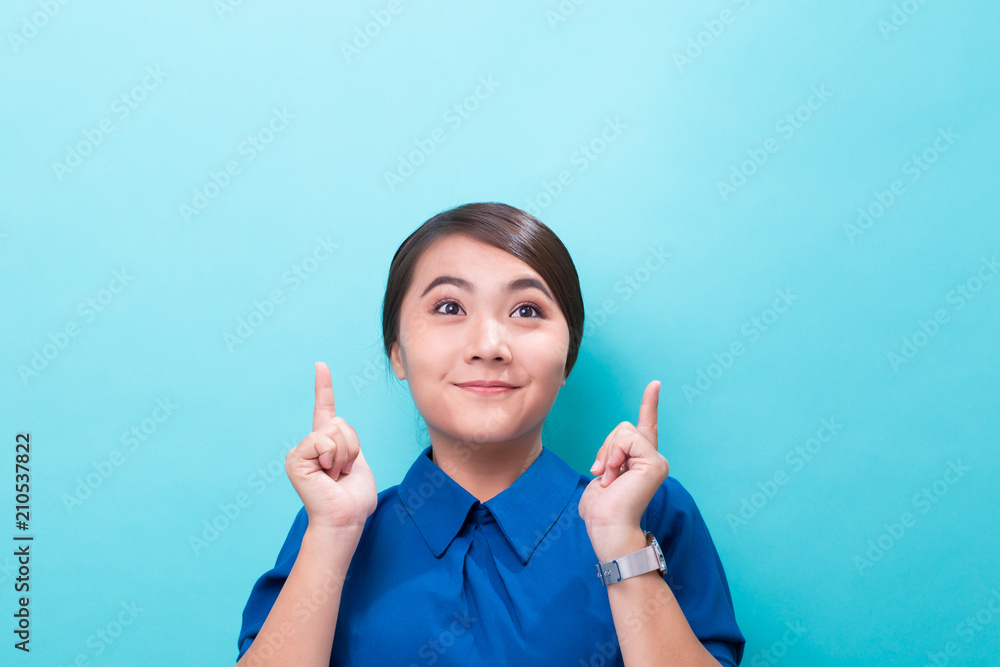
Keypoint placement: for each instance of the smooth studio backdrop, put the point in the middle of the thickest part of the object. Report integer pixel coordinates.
(784, 211)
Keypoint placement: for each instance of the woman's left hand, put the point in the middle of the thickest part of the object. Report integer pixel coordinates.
(629, 470)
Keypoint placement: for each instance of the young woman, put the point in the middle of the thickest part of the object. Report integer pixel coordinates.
(492, 550)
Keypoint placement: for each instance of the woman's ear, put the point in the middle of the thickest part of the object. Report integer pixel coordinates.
(395, 358)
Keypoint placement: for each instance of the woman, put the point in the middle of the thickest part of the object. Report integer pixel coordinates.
(488, 551)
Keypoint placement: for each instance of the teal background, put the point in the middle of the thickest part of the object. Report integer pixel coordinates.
(819, 551)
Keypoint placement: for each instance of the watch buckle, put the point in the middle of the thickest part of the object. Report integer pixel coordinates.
(605, 575)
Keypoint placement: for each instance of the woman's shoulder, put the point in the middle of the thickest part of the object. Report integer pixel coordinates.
(671, 509)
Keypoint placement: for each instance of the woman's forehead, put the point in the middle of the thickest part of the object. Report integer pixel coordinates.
(474, 267)
(466, 257)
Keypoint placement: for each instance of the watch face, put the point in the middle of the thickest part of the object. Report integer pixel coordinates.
(651, 541)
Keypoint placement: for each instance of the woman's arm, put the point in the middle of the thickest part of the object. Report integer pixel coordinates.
(300, 626)
(651, 627)
(338, 493)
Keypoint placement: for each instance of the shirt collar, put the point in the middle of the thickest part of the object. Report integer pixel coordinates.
(525, 511)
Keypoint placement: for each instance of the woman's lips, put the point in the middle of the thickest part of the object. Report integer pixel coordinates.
(486, 391)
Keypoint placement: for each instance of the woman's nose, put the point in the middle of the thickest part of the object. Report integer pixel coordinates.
(487, 340)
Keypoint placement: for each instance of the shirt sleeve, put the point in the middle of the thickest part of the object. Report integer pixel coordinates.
(694, 571)
(266, 590)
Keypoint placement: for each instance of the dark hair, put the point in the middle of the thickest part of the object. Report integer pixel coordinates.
(502, 226)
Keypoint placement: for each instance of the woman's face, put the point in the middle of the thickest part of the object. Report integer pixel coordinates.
(487, 317)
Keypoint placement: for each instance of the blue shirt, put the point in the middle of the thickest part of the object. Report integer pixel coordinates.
(439, 578)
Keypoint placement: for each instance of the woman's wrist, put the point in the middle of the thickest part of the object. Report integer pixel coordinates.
(345, 534)
(337, 544)
(611, 542)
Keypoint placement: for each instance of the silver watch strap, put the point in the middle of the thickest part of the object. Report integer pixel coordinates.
(636, 563)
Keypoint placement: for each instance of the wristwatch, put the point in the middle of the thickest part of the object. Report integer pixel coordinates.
(634, 564)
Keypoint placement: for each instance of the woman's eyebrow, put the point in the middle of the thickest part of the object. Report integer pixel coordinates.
(513, 286)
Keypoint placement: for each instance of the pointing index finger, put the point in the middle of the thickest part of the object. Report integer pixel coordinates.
(323, 411)
(648, 412)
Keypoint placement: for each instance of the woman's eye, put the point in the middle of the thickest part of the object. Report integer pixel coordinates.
(529, 307)
(450, 304)
(526, 310)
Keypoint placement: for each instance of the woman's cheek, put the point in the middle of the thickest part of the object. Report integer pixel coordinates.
(555, 359)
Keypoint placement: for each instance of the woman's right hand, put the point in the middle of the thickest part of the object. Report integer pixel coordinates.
(327, 468)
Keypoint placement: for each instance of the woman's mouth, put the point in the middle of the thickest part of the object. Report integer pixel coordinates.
(487, 388)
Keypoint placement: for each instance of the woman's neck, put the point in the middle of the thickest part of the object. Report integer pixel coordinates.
(485, 469)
